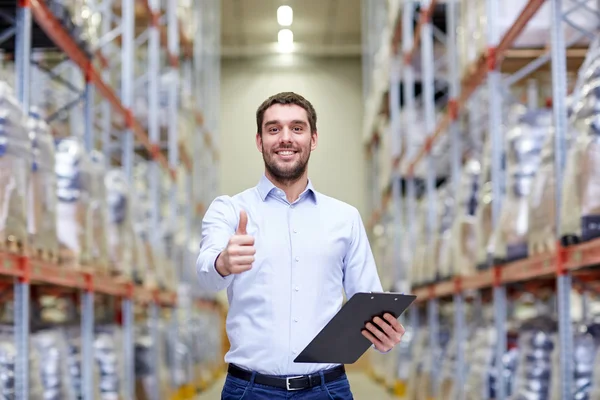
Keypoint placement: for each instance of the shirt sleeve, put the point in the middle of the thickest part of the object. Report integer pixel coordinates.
(360, 271)
(218, 225)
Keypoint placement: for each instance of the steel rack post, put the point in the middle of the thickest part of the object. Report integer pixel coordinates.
(173, 153)
(427, 65)
(21, 285)
(563, 282)
(105, 107)
(497, 145)
(127, 93)
(127, 82)
(154, 66)
(87, 338)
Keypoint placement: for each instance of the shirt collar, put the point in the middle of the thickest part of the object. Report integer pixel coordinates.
(265, 186)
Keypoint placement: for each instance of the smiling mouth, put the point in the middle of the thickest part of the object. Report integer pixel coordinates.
(286, 152)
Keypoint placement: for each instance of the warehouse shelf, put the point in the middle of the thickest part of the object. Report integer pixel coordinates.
(446, 200)
(84, 87)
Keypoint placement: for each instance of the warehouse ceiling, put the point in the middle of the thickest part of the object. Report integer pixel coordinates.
(320, 27)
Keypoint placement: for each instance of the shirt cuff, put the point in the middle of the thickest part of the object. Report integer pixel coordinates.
(380, 352)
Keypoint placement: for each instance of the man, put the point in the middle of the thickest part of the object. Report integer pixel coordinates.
(285, 253)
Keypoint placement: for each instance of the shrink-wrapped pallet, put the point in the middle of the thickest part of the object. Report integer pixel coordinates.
(418, 269)
(49, 347)
(472, 29)
(463, 235)
(484, 213)
(42, 197)
(580, 208)
(15, 167)
(108, 354)
(586, 343)
(524, 143)
(537, 342)
(98, 218)
(73, 190)
(120, 228)
(447, 208)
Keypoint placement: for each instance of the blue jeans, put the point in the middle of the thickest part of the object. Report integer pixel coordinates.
(239, 389)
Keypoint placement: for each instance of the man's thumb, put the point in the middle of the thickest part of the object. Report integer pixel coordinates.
(241, 230)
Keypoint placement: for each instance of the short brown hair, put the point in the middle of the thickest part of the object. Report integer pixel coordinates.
(286, 98)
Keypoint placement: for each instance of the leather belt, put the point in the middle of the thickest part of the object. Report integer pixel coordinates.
(299, 382)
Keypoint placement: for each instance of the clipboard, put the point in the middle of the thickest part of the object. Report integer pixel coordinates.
(341, 340)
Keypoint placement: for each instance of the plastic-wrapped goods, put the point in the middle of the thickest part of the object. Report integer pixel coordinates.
(442, 259)
(415, 390)
(463, 235)
(73, 190)
(120, 228)
(524, 144)
(580, 208)
(586, 343)
(98, 218)
(48, 347)
(15, 167)
(74, 374)
(473, 25)
(42, 197)
(145, 363)
(8, 355)
(108, 352)
(595, 390)
(418, 273)
(485, 233)
(537, 342)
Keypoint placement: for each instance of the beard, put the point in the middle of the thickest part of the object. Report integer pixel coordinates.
(286, 172)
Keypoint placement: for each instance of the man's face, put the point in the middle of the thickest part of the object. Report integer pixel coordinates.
(286, 141)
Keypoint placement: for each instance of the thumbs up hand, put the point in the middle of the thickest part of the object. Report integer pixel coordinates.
(238, 256)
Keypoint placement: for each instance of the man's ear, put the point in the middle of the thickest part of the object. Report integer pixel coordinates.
(314, 138)
(259, 142)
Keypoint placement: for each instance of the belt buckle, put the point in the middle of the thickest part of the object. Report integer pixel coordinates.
(287, 382)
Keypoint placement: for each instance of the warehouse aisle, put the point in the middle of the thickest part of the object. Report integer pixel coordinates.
(362, 386)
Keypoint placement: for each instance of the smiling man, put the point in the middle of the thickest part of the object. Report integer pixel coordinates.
(286, 253)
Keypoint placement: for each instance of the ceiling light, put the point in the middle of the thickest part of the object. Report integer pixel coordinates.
(285, 38)
(285, 15)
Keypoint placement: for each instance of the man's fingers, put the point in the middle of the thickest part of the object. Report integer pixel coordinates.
(242, 240)
(378, 345)
(242, 260)
(389, 331)
(241, 230)
(242, 250)
(395, 324)
(383, 338)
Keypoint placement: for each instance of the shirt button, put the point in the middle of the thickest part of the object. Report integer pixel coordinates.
(297, 259)
(295, 231)
(295, 319)
(297, 288)
(291, 206)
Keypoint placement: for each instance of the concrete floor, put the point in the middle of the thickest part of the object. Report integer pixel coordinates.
(362, 386)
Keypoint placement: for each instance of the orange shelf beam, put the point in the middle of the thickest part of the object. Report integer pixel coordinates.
(41, 272)
(539, 266)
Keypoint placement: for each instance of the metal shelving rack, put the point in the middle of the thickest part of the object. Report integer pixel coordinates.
(107, 106)
(566, 262)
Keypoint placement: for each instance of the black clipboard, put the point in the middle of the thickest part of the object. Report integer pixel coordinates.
(341, 340)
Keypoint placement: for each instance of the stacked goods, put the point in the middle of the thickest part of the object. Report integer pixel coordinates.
(108, 353)
(525, 140)
(418, 264)
(443, 243)
(472, 32)
(73, 190)
(42, 198)
(586, 344)
(464, 243)
(485, 234)
(415, 390)
(15, 167)
(537, 342)
(49, 346)
(120, 229)
(580, 208)
(98, 218)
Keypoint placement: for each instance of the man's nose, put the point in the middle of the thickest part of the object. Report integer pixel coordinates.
(286, 135)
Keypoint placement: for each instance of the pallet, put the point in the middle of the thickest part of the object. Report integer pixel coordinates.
(11, 244)
(46, 255)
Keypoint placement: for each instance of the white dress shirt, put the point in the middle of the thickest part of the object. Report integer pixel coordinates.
(307, 254)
